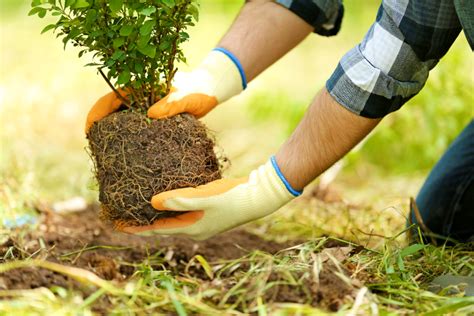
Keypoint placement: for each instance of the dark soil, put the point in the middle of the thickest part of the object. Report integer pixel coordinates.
(136, 157)
(328, 290)
(71, 233)
(80, 240)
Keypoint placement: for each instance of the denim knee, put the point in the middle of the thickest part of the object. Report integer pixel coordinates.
(446, 200)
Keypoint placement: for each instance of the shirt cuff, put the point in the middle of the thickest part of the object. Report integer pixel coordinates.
(325, 16)
(366, 90)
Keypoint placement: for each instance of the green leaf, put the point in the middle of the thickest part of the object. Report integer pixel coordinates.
(139, 68)
(115, 5)
(117, 55)
(126, 30)
(96, 33)
(169, 3)
(147, 27)
(81, 4)
(37, 10)
(148, 11)
(82, 52)
(91, 16)
(165, 45)
(148, 50)
(124, 77)
(118, 42)
(143, 41)
(48, 27)
(194, 11)
(184, 36)
(110, 62)
(411, 250)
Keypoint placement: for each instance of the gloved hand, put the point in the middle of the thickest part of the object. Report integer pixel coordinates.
(220, 205)
(106, 105)
(217, 79)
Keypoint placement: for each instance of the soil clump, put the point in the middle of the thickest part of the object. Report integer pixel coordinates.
(136, 157)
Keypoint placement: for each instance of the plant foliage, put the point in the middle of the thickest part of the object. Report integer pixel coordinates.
(137, 42)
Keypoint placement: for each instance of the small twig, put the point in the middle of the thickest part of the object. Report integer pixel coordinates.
(371, 234)
(125, 101)
(135, 96)
(421, 223)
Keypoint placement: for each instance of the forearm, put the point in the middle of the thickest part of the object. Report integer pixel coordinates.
(327, 132)
(262, 33)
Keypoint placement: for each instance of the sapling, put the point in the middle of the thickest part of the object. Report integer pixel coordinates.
(136, 42)
(135, 46)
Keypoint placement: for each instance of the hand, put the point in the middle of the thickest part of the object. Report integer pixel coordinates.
(220, 205)
(216, 80)
(106, 105)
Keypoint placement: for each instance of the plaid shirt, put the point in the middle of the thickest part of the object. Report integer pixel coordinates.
(392, 63)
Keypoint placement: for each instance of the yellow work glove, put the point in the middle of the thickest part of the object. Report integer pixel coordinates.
(219, 77)
(220, 205)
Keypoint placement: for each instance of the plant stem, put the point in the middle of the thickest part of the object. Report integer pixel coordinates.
(152, 84)
(125, 101)
(173, 53)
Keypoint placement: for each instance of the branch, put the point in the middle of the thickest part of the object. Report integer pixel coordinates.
(125, 101)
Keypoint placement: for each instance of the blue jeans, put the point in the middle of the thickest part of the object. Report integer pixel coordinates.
(446, 200)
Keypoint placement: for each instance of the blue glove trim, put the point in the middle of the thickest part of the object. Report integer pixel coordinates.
(282, 177)
(236, 62)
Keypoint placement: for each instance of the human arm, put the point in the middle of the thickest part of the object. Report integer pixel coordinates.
(324, 135)
(262, 33)
(372, 80)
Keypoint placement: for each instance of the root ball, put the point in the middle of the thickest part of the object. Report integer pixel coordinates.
(136, 158)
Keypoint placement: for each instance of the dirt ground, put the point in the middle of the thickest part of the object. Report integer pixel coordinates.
(81, 240)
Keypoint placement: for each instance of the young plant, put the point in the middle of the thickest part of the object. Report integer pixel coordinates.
(136, 42)
(135, 45)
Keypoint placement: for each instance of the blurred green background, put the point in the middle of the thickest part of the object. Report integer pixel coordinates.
(45, 94)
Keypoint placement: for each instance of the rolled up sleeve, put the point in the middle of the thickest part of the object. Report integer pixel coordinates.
(393, 61)
(325, 16)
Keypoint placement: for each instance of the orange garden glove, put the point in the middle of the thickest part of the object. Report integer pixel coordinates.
(220, 205)
(106, 105)
(217, 79)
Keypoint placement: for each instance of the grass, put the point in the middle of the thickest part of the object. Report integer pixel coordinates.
(397, 279)
(43, 103)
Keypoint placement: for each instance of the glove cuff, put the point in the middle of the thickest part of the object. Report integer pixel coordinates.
(287, 185)
(225, 74)
(237, 64)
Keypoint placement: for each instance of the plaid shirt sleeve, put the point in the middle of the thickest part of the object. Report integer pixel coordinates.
(325, 16)
(392, 63)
